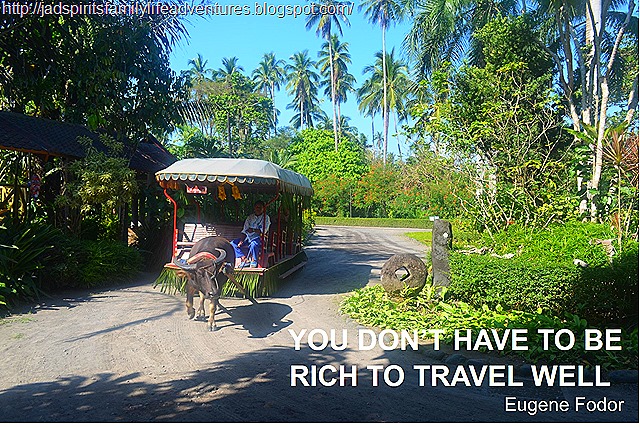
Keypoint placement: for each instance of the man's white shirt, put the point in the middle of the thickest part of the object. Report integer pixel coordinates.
(253, 221)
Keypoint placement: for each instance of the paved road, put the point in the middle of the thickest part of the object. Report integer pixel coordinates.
(130, 354)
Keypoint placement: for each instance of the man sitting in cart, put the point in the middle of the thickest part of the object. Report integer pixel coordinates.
(249, 245)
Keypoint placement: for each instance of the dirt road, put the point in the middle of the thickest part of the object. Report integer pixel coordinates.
(130, 354)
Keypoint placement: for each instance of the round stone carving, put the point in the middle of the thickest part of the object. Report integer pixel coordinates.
(403, 270)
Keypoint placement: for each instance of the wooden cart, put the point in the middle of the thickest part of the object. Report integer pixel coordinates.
(211, 197)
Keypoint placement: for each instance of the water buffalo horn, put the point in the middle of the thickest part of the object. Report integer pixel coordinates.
(207, 255)
(183, 266)
(222, 255)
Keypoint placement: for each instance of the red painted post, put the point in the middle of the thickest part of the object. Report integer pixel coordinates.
(175, 221)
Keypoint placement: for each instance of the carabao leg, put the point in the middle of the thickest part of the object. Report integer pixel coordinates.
(213, 305)
(190, 311)
(200, 312)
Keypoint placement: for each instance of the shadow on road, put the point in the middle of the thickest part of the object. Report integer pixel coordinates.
(256, 387)
(332, 269)
(260, 319)
(343, 259)
(71, 298)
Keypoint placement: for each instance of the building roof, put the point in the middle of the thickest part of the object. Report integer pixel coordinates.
(19, 132)
(151, 156)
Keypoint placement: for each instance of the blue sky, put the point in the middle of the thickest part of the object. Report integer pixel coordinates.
(249, 37)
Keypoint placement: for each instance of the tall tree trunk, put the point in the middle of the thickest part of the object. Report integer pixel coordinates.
(273, 103)
(632, 104)
(395, 127)
(385, 109)
(593, 38)
(597, 156)
(593, 85)
(591, 91)
(373, 135)
(333, 92)
(603, 89)
(301, 112)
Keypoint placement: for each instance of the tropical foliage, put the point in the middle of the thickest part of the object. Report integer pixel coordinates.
(268, 77)
(511, 114)
(586, 43)
(111, 74)
(421, 312)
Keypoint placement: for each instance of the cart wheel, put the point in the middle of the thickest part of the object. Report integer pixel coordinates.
(403, 270)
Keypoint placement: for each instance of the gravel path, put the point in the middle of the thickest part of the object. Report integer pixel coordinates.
(130, 354)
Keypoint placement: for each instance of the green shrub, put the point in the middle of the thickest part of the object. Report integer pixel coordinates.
(542, 274)
(24, 254)
(516, 284)
(99, 226)
(371, 306)
(557, 243)
(81, 263)
(464, 234)
(36, 257)
(109, 260)
(609, 292)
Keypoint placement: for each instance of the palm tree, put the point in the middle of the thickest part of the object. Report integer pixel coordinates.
(168, 29)
(324, 24)
(303, 86)
(268, 77)
(349, 131)
(229, 66)
(371, 94)
(311, 115)
(370, 100)
(282, 158)
(383, 13)
(343, 81)
(442, 29)
(198, 70)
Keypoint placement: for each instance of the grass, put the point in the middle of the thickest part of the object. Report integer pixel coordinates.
(417, 223)
(371, 306)
(256, 285)
(21, 320)
(424, 237)
(463, 235)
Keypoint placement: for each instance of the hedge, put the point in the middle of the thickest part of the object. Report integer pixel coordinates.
(417, 223)
(600, 293)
